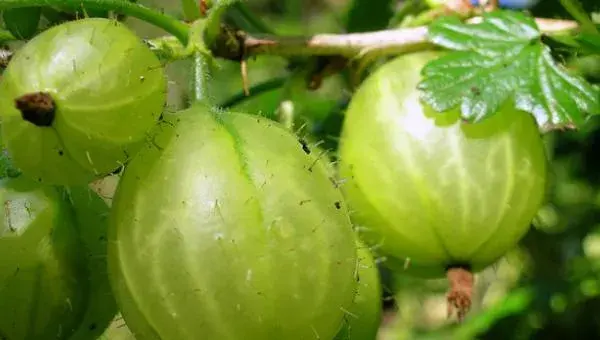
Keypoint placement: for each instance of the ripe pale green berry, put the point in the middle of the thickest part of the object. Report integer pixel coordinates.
(78, 99)
(225, 228)
(430, 191)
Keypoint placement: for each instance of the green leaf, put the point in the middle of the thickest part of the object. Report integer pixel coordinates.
(501, 59)
(554, 96)
(500, 31)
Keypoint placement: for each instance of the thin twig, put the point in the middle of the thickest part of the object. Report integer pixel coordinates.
(348, 45)
(382, 42)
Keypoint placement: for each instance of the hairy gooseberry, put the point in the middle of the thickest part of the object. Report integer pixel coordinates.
(43, 277)
(78, 99)
(437, 195)
(225, 228)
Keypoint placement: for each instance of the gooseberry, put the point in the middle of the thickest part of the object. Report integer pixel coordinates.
(434, 194)
(224, 227)
(78, 100)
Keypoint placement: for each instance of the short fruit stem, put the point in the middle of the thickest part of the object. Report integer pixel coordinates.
(460, 294)
(37, 108)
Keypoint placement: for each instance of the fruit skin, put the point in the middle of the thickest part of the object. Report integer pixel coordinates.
(430, 190)
(224, 228)
(364, 317)
(22, 22)
(42, 274)
(109, 90)
(91, 214)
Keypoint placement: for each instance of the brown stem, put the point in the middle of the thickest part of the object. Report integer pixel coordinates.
(460, 295)
(349, 45)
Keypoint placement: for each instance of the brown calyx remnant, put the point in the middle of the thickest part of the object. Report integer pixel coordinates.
(37, 108)
(459, 296)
